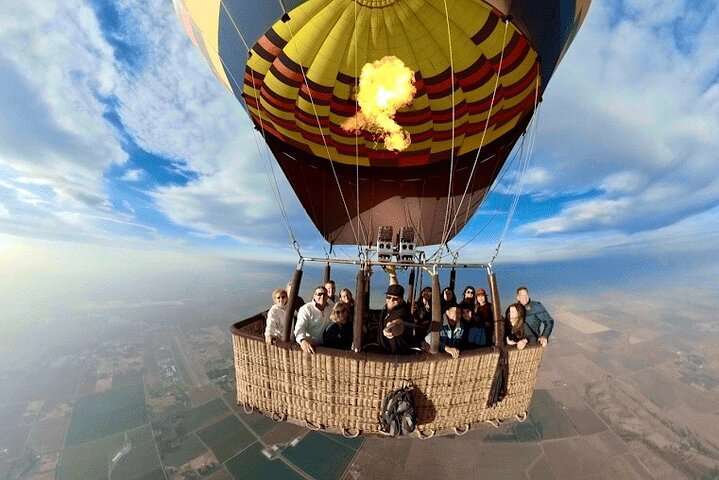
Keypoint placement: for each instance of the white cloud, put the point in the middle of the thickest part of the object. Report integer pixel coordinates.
(695, 236)
(54, 142)
(57, 67)
(133, 175)
(174, 107)
(632, 112)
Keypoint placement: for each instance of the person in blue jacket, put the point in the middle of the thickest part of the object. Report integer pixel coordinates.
(538, 323)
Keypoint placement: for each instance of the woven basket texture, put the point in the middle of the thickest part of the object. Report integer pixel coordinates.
(342, 391)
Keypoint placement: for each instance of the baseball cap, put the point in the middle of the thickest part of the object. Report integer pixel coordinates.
(396, 290)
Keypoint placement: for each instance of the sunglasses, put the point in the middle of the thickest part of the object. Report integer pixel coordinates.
(392, 298)
(320, 294)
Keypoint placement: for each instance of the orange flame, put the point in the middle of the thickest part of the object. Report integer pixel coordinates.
(385, 86)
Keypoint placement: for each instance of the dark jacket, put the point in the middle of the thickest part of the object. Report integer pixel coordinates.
(338, 335)
(484, 319)
(299, 301)
(423, 319)
(400, 344)
(515, 334)
(538, 322)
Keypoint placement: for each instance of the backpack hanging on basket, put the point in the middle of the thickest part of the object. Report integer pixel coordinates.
(398, 415)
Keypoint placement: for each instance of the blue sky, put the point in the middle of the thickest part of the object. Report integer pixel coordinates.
(114, 132)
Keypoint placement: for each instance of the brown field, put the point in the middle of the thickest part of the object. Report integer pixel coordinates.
(201, 395)
(579, 322)
(49, 435)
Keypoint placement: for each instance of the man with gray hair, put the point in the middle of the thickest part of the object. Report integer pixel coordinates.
(312, 320)
(538, 323)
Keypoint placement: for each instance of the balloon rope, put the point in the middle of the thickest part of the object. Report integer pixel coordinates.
(519, 153)
(283, 209)
(274, 184)
(324, 141)
(445, 239)
(524, 166)
(360, 226)
(237, 29)
(445, 226)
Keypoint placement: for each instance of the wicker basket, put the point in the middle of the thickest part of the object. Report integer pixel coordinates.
(342, 391)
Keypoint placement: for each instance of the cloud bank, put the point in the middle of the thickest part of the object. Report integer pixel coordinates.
(114, 130)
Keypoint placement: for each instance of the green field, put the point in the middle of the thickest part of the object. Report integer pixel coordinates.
(548, 418)
(323, 456)
(117, 410)
(203, 415)
(226, 437)
(90, 461)
(191, 447)
(252, 464)
(516, 432)
(256, 421)
(132, 377)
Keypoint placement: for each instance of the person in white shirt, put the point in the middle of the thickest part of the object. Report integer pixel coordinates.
(312, 319)
(276, 316)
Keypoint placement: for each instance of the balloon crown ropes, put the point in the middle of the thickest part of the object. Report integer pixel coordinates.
(476, 78)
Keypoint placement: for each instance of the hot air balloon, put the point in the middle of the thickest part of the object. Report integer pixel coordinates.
(391, 119)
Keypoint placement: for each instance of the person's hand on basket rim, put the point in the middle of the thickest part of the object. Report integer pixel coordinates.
(307, 347)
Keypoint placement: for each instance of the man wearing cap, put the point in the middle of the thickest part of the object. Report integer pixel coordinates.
(392, 334)
(538, 323)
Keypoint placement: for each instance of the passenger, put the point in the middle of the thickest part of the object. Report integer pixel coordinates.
(299, 301)
(331, 288)
(275, 326)
(514, 324)
(476, 334)
(483, 314)
(392, 335)
(451, 333)
(338, 334)
(449, 299)
(346, 298)
(469, 297)
(312, 320)
(538, 323)
(423, 314)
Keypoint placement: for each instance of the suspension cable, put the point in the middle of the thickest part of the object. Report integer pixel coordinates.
(522, 177)
(360, 226)
(283, 209)
(324, 140)
(274, 185)
(445, 237)
(517, 154)
(451, 158)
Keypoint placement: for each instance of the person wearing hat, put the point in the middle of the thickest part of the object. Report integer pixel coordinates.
(469, 295)
(483, 316)
(396, 313)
